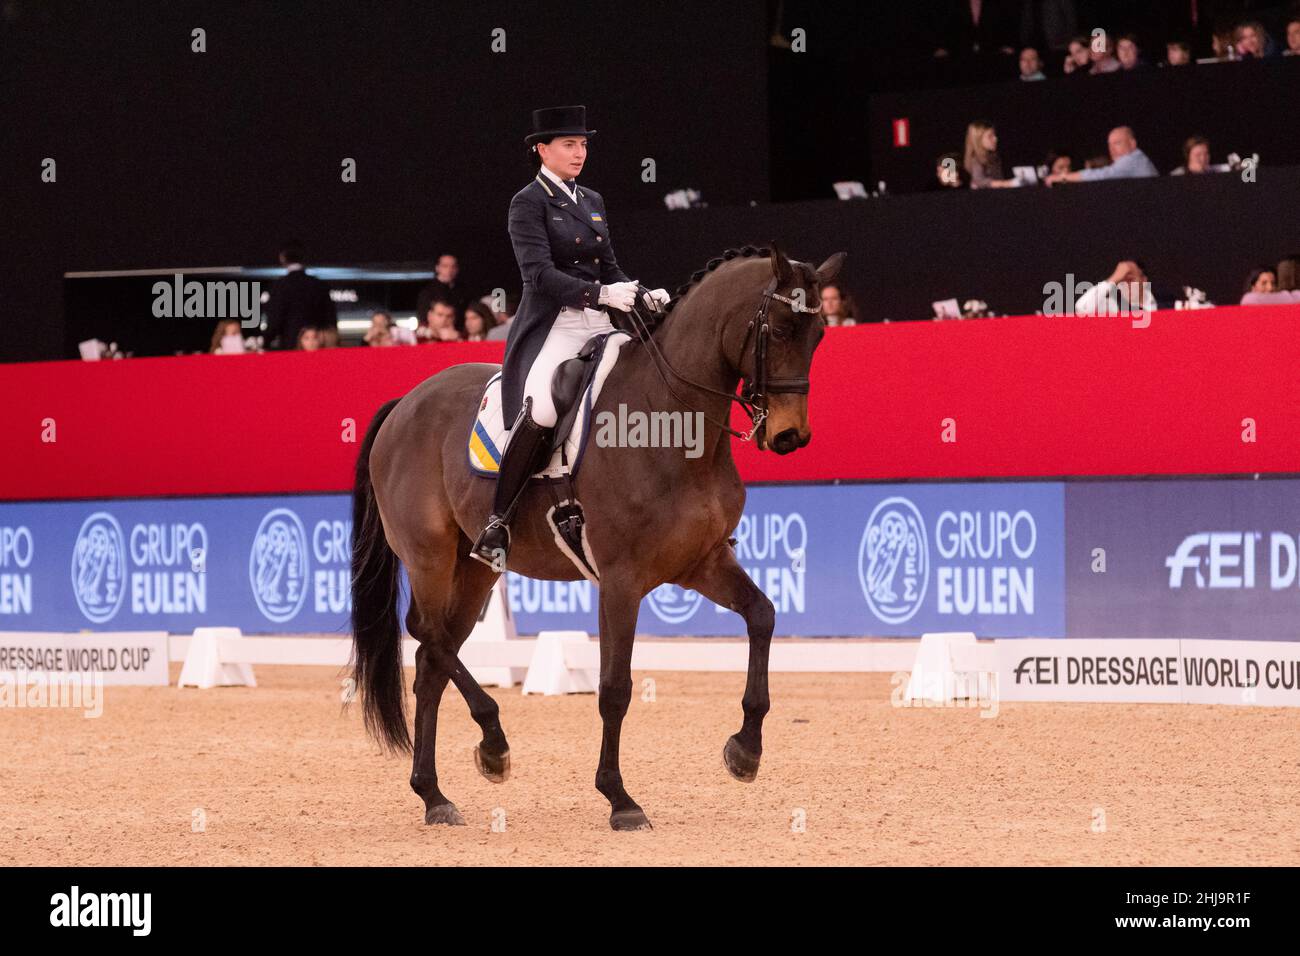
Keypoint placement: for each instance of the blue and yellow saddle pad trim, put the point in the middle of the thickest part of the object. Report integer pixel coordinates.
(484, 455)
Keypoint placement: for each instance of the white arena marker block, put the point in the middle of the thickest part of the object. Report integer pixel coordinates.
(496, 624)
(934, 674)
(548, 674)
(204, 666)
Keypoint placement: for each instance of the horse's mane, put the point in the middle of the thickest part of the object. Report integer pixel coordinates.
(742, 252)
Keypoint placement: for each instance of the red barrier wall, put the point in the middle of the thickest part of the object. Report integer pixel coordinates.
(1030, 397)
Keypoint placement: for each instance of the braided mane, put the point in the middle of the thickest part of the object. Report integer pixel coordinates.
(742, 252)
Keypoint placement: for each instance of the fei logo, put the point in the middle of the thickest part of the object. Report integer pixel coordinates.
(99, 567)
(894, 560)
(277, 565)
(673, 604)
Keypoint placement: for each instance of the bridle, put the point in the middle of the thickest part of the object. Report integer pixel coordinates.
(756, 388)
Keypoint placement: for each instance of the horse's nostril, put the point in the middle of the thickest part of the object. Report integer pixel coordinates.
(786, 442)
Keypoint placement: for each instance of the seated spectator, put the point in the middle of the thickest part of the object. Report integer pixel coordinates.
(1284, 289)
(479, 320)
(1251, 41)
(227, 338)
(1196, 156)
(1128, 53)
(1126, 292)
(1222, 45)
(949, 173)
(1102, 55)
(1077, 59)
(309, 338)
(1262, 280)
(1292, 37)
(329, 338)
(380, 333)
(439, 324)
(837, 308)
(982, 159)
(1059, 161)
(1178, 53)
(1031, 65)
(1126, 161)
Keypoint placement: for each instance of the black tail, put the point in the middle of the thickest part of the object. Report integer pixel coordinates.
(376, 630)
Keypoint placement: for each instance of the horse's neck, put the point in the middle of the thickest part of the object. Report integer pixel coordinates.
(693, 346)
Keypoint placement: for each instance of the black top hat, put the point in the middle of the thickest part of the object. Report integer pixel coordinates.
(558, 121)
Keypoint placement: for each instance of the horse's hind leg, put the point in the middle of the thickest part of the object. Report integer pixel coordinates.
(473, 584)
(430, 682)
(722, 580)
(444, 610)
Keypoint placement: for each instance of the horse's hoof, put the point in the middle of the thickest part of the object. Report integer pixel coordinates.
(496, 767)
(444, 814)
(739, 762)
(624, 820)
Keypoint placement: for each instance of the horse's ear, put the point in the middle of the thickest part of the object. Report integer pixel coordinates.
(780, 265)
(829, 269)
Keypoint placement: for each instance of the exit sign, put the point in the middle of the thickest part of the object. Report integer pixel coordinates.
(902, 133)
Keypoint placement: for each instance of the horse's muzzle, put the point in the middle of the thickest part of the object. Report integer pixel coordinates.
(789, 440)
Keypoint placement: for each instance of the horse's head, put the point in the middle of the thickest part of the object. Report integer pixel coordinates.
(779, 365)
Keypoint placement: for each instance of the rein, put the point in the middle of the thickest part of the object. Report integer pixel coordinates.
(755, 388)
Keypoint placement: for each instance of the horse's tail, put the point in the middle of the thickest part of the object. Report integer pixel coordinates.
(376, 631)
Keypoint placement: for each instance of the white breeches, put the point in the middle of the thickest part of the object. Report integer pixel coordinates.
(571, 330)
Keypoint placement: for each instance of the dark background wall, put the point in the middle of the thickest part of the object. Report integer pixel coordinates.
(172, 158)
(1002, 245)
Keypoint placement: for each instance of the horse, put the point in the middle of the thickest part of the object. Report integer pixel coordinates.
(654, 515)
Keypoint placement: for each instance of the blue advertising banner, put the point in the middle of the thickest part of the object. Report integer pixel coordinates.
(1187, 559)
(891, 560)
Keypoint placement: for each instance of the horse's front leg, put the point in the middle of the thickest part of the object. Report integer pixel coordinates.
(618, 610)
(722, 580)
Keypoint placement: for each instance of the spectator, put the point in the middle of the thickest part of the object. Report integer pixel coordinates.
(1077, 59)
(329, 338)
(982, 160)
(309, 339)
(1126, 292)
(445, 285)
(380, 333)
(297, 301)
(1222, 44)
(1284, 290)
(479, 320)
(227, 329)
(1031, 65)
(1196, 156)
(440, 324)
(1102, 55)
(1262, 280)
(1059, 162)
(1126, 161)
(1292, 37)
(949, 173)
(501, 331)
(1178, 53)
(1128, 53)
(1251, 41)
(837, 308)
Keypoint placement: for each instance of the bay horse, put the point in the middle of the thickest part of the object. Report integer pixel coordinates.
(653, 515)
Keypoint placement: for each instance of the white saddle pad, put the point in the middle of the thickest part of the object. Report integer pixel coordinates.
(488, 435)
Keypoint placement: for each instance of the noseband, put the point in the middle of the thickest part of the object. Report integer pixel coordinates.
(754, 388)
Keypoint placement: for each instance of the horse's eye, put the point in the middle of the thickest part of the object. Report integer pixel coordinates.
(780, 332)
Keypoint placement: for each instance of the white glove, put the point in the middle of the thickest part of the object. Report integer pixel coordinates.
(619, 295)
(659, 299)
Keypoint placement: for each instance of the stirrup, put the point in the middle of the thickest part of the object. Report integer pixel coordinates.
(494, 556)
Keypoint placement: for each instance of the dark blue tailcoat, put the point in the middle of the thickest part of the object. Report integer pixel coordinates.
(564, 256)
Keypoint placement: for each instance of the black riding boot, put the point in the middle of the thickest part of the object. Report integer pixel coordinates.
(526, 452)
